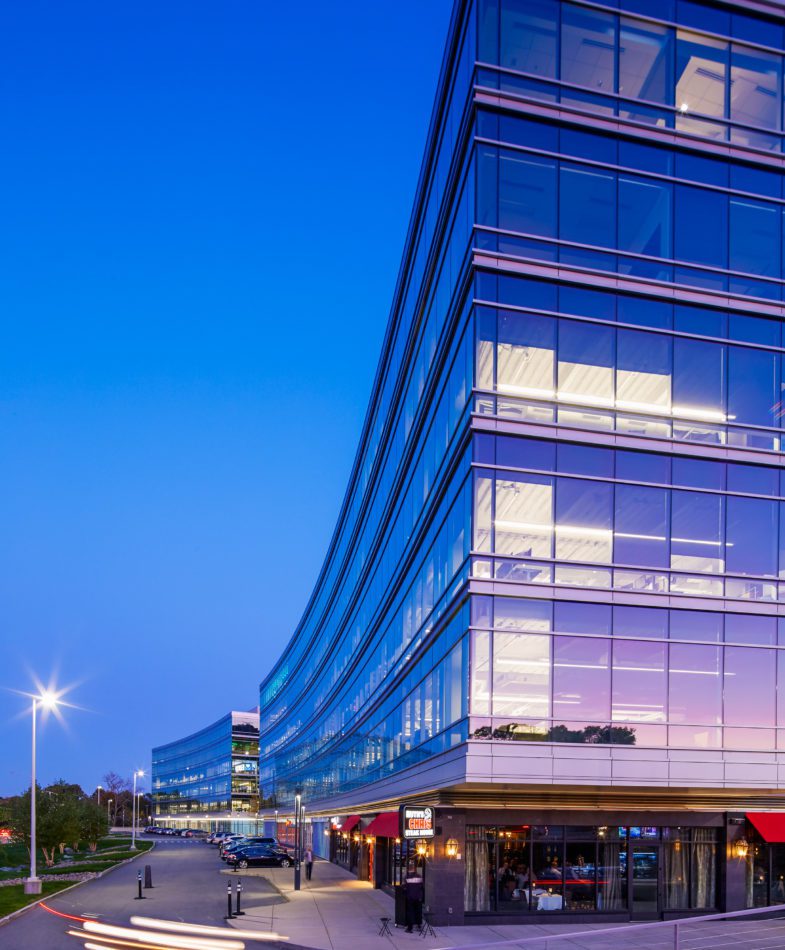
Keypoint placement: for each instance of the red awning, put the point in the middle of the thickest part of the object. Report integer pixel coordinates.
(386, 825)
(350, 823)
(770, 825)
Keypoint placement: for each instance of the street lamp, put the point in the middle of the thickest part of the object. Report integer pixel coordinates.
(109, 803)
(46, 700)
(99, 790)
(139, 773)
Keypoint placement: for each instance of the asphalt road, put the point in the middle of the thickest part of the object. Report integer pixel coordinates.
(187, 886)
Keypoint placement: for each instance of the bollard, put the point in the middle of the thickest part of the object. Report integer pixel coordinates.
(140, 896)
(229, 915)
(239, 891)
(148, 877)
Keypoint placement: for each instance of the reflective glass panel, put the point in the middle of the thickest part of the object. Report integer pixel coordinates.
(588, 47)
(521, 675)
(695, 684)
(646, 61)
(696, 532)
(641, 526)
(701, 74)
(529, 36)
(640, 681)
(524, 515)
(755, 87)
(581, 678)
(583, 520)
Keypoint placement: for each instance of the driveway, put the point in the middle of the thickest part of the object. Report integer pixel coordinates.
(187, 886)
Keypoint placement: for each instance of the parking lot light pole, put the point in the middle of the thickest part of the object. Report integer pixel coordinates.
(139, 773)
(109, 803)
(297, 842)
(32, 884)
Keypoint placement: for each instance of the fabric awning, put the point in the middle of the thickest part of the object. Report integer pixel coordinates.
(769, 824)
(386, 825)
(351, 822)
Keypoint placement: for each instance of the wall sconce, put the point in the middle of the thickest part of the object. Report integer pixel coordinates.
(741, 848)
(356, 837)
(602, 831)
(421, 847)
(451, 848)
(327, 832)
(677, 845)
(397, 840)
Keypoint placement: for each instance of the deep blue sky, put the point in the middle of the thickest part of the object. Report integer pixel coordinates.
(202, 213)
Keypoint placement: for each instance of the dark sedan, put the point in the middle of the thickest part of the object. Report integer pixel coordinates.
(258, 856)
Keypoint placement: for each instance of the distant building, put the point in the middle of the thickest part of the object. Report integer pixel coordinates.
(553, 608)
(209, 779)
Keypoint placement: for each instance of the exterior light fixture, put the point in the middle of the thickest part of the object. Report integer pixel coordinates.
(683, 107)
(451, 848)
(397, 840)
(602, 831)
(356, 837)
(421, 847)
(741, 848)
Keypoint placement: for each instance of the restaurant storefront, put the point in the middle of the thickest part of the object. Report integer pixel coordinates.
(643, 871)
(488, 865)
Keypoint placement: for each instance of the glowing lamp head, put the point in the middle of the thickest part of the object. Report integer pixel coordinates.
(47, 699)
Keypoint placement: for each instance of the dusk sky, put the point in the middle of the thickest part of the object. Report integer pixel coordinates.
(203, 213)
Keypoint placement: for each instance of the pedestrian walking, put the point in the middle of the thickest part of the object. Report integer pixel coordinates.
(414, 892)
(308, 859)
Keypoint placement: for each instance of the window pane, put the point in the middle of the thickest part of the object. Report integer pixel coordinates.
(646, 61)
(752, 386)
(518, 613)
(701, 74)
(640, 622)
(754, 237)
(583, 520)
(696, 625)
(587, 206)
(639, 681)
(527, 194)
(701, 226)
(641, 526)
(755, 87)
(581, 678)
(524, 515)
(645, 216)
(585, 363)
(749, 686)
(698, 380)
(588, 47)
(696, 526)
(528, 36)
(521, 675)
(643, 375)
(525, 355)
(751, 538)
(582, 618)
(695, 684)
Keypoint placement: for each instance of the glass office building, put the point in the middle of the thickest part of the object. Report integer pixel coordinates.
(554, 603)
(209, 780)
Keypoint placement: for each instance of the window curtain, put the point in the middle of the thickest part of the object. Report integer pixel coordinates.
(675, 854)
(610, 886)
(704, 868)
(476, 890)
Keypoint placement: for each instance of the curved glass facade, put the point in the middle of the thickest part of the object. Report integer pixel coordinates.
(212, 771)
(560, 562)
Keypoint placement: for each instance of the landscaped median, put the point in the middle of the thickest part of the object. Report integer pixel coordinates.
(69, 869)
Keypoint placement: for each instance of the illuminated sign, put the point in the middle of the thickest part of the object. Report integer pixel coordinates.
(417, 821)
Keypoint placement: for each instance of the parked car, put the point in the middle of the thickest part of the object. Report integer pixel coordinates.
(228, 841)
(251, 839)
(259, 855)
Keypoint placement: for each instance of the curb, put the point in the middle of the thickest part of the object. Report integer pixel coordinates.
(18, 913)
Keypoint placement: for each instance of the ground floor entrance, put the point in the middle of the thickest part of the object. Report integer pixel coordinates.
(516, 865)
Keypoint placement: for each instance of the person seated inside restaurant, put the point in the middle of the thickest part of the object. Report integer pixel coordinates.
(552, 872)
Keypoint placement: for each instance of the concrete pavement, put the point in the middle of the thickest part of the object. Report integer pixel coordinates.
(335, 911)
(188, 886)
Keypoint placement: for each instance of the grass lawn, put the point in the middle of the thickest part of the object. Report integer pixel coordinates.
(13, 897)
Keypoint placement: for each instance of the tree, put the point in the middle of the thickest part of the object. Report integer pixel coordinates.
(48, 825)
(93, 823)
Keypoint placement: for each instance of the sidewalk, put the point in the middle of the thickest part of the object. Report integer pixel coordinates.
(335, 911)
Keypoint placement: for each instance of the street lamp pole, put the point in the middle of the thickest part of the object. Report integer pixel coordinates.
(109, 803)
(33, 883)
(99, 789)
(133, 812)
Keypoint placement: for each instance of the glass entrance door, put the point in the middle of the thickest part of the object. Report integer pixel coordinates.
(644, 875)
